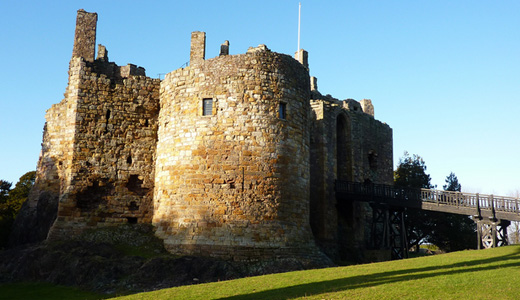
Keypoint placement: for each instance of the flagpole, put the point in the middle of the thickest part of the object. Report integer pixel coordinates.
(299, 18)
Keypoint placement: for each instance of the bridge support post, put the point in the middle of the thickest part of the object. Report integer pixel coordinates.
(388, 230)
(398, 240)
(492, 233)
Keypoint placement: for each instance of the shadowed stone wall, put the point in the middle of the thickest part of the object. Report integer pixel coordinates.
(347, 143)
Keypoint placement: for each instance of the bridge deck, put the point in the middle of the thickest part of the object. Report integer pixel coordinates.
(485, 206)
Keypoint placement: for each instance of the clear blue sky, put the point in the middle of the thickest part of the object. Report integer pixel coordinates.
(445, 75)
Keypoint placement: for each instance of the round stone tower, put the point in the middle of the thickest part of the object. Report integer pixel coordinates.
(232, 160)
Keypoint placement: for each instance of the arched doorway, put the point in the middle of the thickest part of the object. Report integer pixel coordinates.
(346, 210)
(343, 150)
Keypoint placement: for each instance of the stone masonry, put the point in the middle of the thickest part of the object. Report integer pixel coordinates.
(347, 144)
(234, 156)
(222, 178)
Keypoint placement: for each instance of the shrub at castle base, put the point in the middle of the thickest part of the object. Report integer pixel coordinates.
(232, 157)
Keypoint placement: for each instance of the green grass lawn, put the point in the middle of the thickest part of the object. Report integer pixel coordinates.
(482, 274)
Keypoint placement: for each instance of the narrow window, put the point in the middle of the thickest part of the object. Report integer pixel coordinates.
(372, 160)
(107, 116)
(282, 111)
(207, 107)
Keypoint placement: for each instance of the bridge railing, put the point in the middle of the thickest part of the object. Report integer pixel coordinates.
(414, 197)
(448, 198)
(469, 200)
(380, 192)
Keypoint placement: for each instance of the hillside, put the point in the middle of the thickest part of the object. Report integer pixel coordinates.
(476, 274)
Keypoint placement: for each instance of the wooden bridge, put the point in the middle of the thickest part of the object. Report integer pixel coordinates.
(491, 213)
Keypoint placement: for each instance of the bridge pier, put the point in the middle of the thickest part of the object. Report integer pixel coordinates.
(491, 233)
(492, 214)
(388, 230)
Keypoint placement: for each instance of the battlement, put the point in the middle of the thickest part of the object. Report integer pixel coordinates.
(85, 48)
(198, 51)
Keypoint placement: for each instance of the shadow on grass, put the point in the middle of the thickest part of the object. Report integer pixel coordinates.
(371, 280)
(45, 291)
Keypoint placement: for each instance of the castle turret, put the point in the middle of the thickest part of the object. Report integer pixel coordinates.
(232, 166)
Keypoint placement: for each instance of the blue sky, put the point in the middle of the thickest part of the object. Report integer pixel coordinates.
(445, 75)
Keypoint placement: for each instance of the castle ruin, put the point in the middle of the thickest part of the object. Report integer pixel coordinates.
(234, 156)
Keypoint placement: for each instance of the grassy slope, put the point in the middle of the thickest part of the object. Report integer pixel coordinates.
(484, 274)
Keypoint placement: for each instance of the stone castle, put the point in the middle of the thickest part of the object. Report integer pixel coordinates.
(234, 156)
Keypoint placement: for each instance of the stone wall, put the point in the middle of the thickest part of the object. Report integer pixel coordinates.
(346, 144)
(111, 174)
(237, 178)
(85, 36)
(110, 115)
(53, 174)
